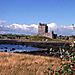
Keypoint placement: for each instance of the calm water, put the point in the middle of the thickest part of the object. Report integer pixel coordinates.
(14, 48)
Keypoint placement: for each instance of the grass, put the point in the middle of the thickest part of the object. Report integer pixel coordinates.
(24, 64)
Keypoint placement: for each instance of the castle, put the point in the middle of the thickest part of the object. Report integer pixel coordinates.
(43, 31)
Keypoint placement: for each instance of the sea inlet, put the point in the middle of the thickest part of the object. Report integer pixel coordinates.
(16, 48)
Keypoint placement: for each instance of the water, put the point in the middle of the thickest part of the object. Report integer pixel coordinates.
(16, 48)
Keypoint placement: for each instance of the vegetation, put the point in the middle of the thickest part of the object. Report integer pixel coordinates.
(24, 64)
(35, 37)
(36, 65)
(66, 68)
(24, 37)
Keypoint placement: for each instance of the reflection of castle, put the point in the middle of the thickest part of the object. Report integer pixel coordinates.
(43, 31)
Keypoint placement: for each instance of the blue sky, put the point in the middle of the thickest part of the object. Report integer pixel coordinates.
(35, 11)
(61, 12)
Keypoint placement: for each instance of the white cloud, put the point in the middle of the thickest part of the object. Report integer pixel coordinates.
(52, 26)
(30, 29)
(61, 29)
(66, 30)
(33, 28)
(67, 27)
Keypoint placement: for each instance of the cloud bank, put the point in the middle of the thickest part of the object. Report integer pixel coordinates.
(33, 28)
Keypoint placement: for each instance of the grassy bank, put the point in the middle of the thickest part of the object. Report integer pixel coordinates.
(24, 64)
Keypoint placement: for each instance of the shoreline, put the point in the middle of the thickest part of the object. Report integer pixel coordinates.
(42, 44)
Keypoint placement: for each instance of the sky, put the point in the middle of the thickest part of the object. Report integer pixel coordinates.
(23, 16)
